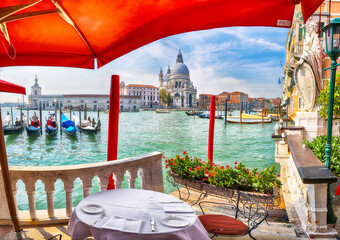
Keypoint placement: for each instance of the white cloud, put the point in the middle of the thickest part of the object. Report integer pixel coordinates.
(217, 60)
(246, 41)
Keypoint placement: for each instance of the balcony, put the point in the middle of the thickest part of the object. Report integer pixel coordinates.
(148, 167)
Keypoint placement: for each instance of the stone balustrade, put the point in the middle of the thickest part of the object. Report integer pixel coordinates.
(305, 181)
(148, 166)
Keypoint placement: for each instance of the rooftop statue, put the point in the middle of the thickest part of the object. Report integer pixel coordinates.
(308, 70)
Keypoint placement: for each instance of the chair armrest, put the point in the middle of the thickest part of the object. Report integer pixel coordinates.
(222, 205)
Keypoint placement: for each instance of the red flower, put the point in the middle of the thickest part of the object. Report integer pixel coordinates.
(164, 157)
(190, 169)
(203, 162)
(227, 166)
(278, 175)
(212, 173)
(337, 191)
(236, 167)
(204, 179)
(184, 152)
(198, 168)
(172, 170)
(235, 162)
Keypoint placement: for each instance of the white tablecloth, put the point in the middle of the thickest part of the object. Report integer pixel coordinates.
(130, 211)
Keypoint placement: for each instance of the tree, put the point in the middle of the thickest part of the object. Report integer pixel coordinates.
(323, 98)
(168, 99)
(163, 97)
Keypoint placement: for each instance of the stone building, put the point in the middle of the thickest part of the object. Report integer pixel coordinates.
(148, 94)
(78, 101)
(177, 82)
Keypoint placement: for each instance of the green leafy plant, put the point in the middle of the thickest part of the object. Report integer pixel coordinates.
(318, 146)
(323, 98)
(235, 177)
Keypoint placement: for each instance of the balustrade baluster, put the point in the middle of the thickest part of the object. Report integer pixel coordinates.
(132, 175)
(30, 189)
(142, 172)
(103, 181)
(118, 176)
(86, 185)
(68, 186)
(49, 188)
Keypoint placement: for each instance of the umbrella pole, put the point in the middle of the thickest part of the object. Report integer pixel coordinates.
(211, 129)
(7, 180)
(112, 144)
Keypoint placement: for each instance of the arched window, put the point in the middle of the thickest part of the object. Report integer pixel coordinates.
(177, 95)
(176, 84)
(179, 84)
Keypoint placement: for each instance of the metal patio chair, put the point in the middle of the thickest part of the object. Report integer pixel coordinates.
(246, 215)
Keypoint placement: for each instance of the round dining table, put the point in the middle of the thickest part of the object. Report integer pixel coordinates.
(123, 214)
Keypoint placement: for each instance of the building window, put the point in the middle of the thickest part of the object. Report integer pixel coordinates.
(35, 92)
(94, 101)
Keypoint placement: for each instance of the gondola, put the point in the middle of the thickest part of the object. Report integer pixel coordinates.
(87, 126)
(8, 130)
(32, 131)
(51, 127)
(208, 116)
(12, 129)
(193, 113)
(68, 125)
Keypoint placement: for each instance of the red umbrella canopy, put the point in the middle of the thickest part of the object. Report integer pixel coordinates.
(73, 33)
(11, 87)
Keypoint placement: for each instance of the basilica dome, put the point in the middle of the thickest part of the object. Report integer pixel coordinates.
(180, 68)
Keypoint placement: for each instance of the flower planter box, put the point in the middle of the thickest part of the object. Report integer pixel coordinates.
(266, 200)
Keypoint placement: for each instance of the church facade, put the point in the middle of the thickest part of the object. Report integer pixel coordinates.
(176, 81)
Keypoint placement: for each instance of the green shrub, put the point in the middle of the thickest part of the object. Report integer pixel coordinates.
(236, 177)
(318, 146)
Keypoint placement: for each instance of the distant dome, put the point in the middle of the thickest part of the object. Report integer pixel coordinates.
(180, 68)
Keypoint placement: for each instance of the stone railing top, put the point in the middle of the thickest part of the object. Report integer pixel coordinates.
(81, 167)
(310, 168)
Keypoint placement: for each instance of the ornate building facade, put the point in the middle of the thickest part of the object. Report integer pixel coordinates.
(77, 101)
(177, 82)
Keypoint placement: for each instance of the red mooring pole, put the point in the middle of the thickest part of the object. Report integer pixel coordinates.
(112, 143)
(211, 129)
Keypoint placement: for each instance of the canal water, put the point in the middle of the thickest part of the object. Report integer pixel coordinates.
(139, 133)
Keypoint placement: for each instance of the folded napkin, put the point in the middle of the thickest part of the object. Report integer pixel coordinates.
(178, 208)
(123, 224)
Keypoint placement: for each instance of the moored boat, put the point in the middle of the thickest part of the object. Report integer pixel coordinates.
(51, 127)
(208, 116)
(87, 126)
(193, 113)
(33, 130)
(18, 127)
(162, 111)
(248, 119)
(68, 125)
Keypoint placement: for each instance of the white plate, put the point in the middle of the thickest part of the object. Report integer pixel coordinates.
(174, 221)
(92, 208)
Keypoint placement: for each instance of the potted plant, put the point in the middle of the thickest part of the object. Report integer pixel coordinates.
(224, 181)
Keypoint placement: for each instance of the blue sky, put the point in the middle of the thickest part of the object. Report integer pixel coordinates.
(223, 59)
